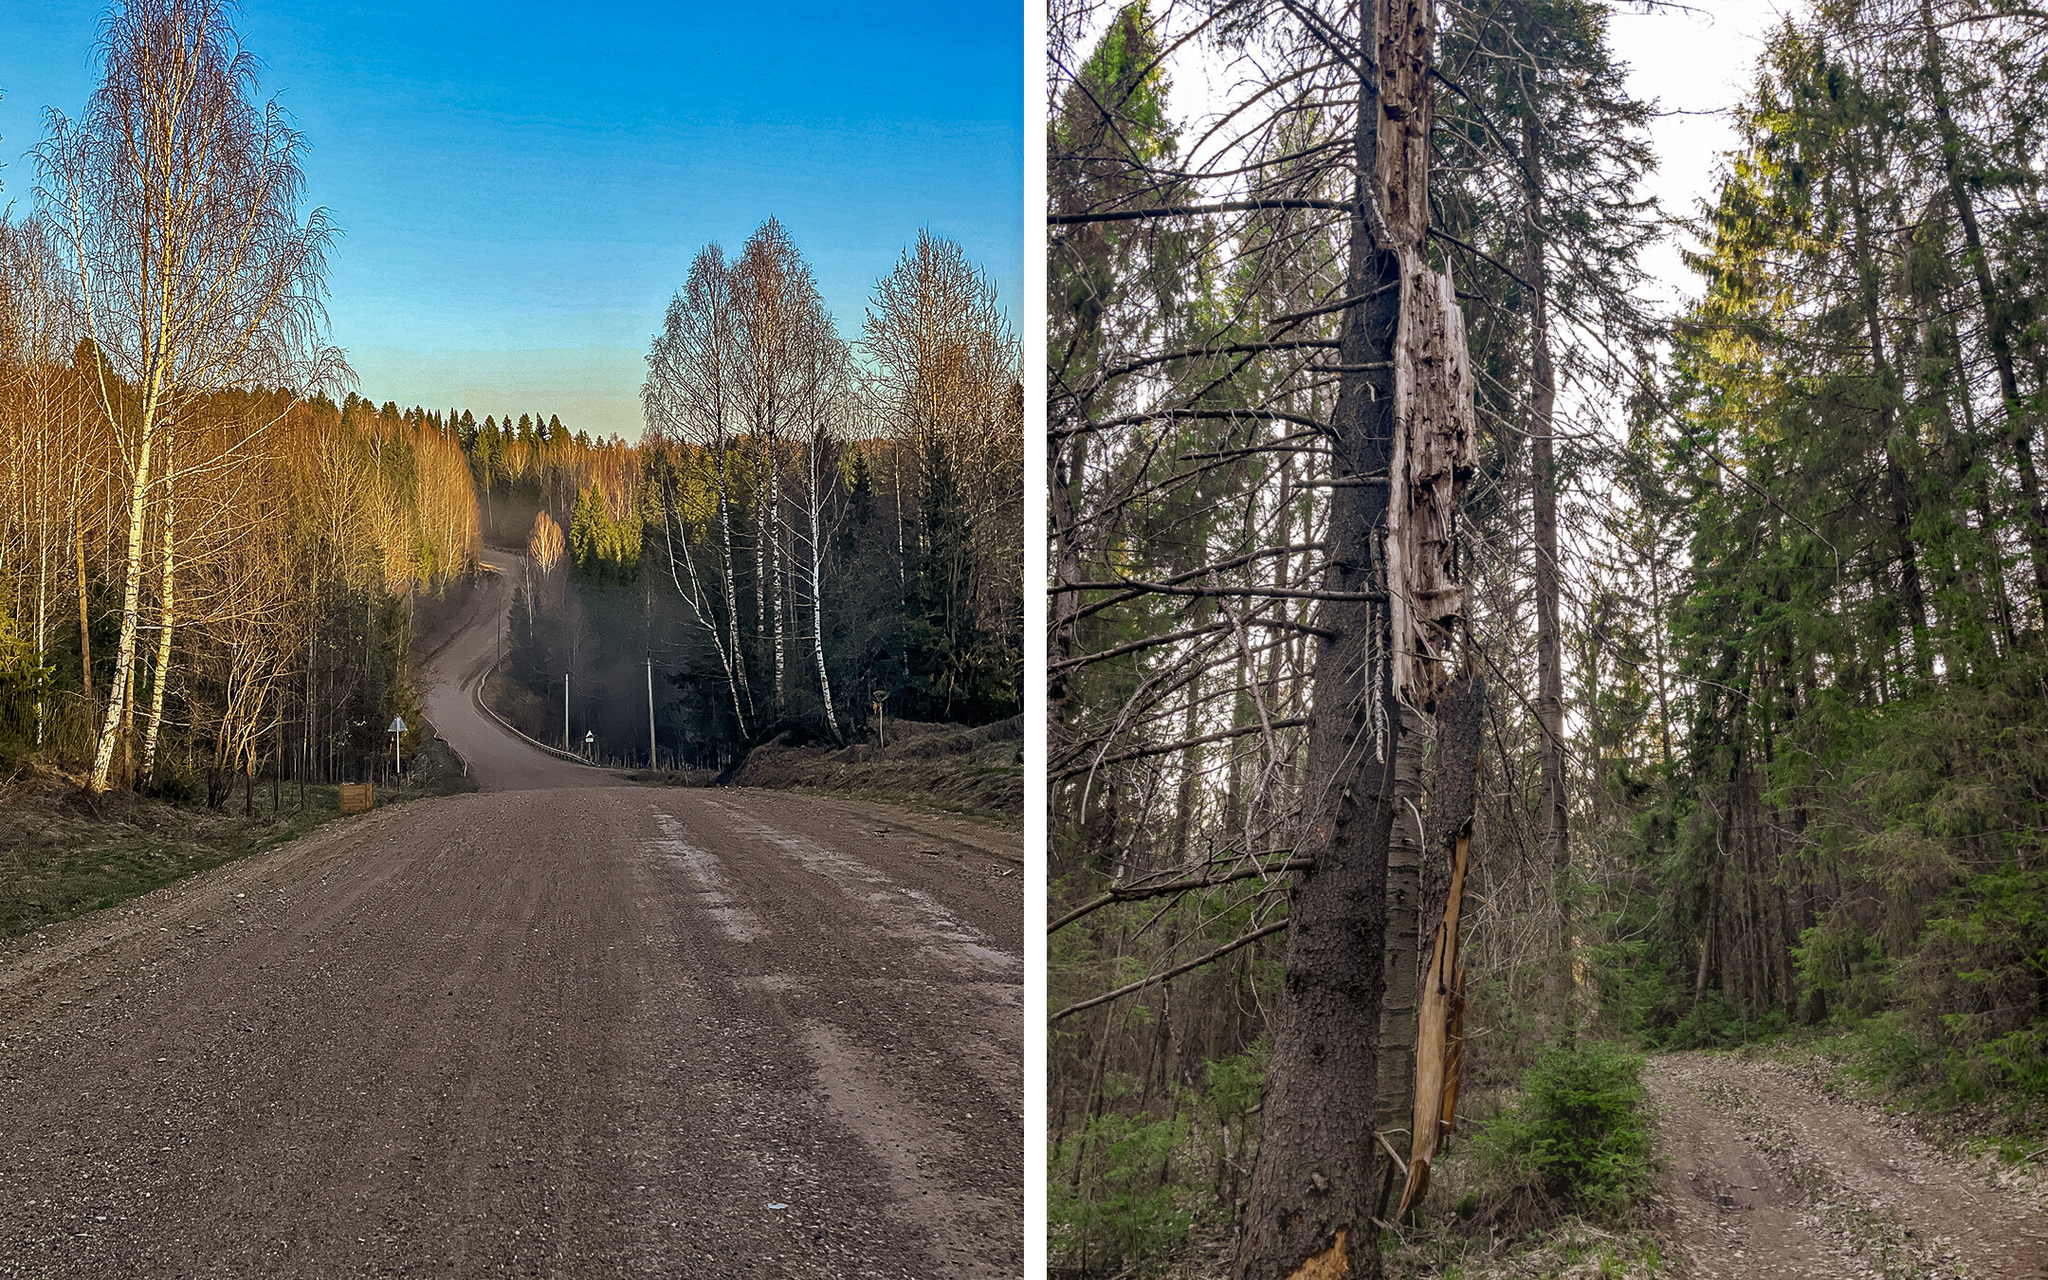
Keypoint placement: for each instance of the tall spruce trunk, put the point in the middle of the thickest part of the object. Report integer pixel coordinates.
(2019, 435)
(1310, 1200)
(1898, 485)
(1549, 576)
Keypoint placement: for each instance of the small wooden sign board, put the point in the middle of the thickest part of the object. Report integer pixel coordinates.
(356, 797)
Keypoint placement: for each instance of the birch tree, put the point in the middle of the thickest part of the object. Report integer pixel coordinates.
(177, 197)
(693, 398)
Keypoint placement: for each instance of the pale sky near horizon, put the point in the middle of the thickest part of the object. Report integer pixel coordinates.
(1694, 66)
(520, 187)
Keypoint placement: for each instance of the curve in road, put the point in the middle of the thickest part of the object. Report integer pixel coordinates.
(1768, 1174)
(561, 1027)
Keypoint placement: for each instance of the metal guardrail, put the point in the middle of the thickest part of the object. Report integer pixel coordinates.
(477, 692)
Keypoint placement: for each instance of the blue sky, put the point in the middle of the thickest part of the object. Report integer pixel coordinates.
(521, 187)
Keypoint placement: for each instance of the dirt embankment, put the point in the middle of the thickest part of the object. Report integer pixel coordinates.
(1770, 1174)
(64, 851)
(976, 772)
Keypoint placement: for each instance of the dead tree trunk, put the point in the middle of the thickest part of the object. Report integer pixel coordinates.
(1440, 1031)
(1402, 441)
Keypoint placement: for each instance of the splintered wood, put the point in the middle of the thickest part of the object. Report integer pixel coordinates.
(1440, 1035)
(1333, 1263)
(1439, 1039)
(1435, 450)
(1436, 447)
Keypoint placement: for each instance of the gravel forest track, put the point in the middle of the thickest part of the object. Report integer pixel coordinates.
(1767, 1175)
(559, 1027)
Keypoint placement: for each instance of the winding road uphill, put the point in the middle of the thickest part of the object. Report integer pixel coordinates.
(561, 1027)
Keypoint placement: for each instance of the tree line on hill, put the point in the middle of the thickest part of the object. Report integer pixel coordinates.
(802, 541)
(1754, 590)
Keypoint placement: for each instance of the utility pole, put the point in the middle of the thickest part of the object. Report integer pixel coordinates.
(565, 711)
(653, 757)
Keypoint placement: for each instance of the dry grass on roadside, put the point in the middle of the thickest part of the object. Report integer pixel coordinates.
(65, 852)
(978, 773)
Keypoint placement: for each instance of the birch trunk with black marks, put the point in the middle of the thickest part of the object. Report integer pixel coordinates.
(167, 616)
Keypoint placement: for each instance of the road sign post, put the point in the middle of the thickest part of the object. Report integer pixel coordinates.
(397, 731)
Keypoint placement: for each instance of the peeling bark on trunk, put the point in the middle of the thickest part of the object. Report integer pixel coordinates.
(1439, 1039)
(1435, 450)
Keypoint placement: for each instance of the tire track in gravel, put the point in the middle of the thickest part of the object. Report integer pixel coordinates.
(1767, 1174)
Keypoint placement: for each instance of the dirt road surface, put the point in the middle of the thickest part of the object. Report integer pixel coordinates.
(562, 1027)
(1768, 1176)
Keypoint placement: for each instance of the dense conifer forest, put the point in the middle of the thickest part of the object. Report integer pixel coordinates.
(1741, 601)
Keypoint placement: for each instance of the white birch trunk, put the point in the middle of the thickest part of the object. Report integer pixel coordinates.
(817, 515)
(774, 528)
(163, 640)
(131, 597)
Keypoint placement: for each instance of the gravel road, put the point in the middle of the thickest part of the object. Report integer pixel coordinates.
(561, 1027)
(1768, 1175)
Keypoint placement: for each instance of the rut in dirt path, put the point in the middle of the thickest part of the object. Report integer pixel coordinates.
(1767, 1175)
